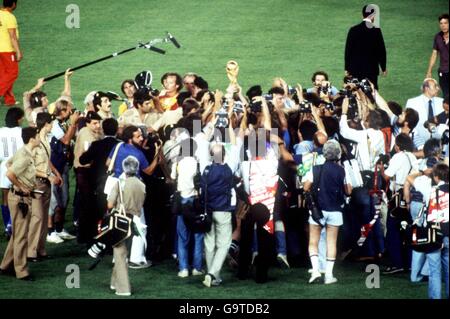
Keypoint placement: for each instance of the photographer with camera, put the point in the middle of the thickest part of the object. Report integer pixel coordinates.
(369, 145)
(321, 85)
(133, 195)
(22, 174)
(61, 143)
(133, 140)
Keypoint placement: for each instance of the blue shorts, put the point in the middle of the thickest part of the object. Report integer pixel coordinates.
(329, 218)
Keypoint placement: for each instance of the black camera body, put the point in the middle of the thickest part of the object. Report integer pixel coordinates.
(364, 85)
(305, 107)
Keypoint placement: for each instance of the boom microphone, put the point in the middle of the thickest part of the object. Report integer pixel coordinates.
(173, 40)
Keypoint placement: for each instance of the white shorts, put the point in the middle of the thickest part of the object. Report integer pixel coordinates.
(329, 218)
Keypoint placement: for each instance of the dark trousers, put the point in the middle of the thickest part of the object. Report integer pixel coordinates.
(158, 215)
(266, 249)
(364, 210)
(85, 199)
(399, 254)
(443, 83)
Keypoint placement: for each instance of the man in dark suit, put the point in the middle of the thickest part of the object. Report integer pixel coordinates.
(96, 155)
(365, 52)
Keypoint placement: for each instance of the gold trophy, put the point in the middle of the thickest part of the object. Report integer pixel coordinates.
(232, 69)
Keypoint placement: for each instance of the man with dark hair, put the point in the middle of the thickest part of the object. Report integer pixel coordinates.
(84, 197)
(145, 112)
(102, 105)
(321, 83)
(46, 175)
(132, 138)
(96, 156)
(10, 54)
(306, 131)
(365, 52)
(128, 88)
(22, 174)
(440, 46)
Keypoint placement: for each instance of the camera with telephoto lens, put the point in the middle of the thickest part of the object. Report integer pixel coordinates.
(329, 106)
(97, 250)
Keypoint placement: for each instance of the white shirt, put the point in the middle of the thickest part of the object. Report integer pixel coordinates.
(366, 155)
(420, 104)
(186, 171)
(423, 185)
(57, 131)
(400, 166)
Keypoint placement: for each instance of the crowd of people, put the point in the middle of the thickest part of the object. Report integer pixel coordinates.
(293, 177)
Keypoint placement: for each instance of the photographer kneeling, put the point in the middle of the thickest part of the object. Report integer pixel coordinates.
(329, 197)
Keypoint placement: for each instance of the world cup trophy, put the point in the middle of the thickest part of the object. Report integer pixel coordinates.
(232, 69)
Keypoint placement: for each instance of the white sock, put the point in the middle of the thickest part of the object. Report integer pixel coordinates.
(329, 269)
(315, 262)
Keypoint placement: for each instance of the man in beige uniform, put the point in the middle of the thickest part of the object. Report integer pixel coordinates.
(22, 174)
(146, 111)
(46, 174)
(87, 222)
(133, 191)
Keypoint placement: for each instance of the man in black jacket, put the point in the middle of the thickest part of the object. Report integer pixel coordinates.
(96, 155)
(365, 52)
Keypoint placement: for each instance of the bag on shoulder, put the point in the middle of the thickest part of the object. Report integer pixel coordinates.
(111, 180)
(353, 172)
(424, 235)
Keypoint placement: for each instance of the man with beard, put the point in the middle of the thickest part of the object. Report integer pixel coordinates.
(132, 137)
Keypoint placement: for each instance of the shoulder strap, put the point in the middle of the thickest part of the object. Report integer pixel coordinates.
(122, 204)
(113, 159)
(46, 151)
